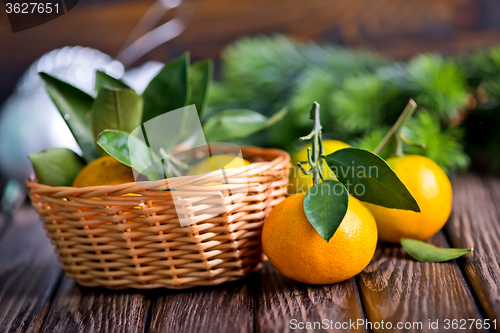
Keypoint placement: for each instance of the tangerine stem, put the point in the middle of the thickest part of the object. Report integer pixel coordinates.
(315, 155)
(395, 131)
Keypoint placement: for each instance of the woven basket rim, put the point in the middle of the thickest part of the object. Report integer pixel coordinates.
(279, 155)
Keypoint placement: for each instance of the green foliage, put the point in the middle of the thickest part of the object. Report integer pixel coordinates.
(325, 206)
(360, 173)
(437, 84)
(443, 146)
(169, 90)
(483, 71)
(103, 80)
(118, 110)
(481, 66)
(370, 141)
(231, 124)
(359, 104)
(56, 166)
(361, 94)
(126, 148)
(424, 252)
(74, 106)
(261, 73)
(380, 185)
(201, 80)
(258, 74)
(316, 84)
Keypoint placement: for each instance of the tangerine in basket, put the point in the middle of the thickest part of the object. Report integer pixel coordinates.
(297, 251)
(217, 162)
(430, 187)
(104, 171)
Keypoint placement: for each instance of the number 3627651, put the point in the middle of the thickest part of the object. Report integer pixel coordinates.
(32, 8)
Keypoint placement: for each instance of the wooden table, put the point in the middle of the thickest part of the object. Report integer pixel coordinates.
(35, 296)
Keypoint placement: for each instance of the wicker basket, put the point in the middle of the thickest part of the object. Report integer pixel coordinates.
(104, 237)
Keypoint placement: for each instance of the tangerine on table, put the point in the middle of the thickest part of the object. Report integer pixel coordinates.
(297, 251)
(430, 187)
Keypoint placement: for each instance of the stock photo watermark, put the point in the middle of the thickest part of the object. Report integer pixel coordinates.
(171, 152)
(360, 172)
(451, 325)
(26, 14)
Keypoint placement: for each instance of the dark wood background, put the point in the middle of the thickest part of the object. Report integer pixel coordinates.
(398, 28)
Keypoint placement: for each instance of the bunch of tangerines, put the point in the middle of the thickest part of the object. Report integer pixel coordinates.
(406, 200)
(346, 200)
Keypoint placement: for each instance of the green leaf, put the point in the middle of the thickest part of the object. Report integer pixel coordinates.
(201, 79)
(370, 179)
(116, 109)
(116, 144)
(103, 80)
(422, 251)
(56, 166)
(325, 206)
(169, 90)
(74, 106)
(235, 124)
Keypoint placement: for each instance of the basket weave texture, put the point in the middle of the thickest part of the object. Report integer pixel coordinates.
(126, 236)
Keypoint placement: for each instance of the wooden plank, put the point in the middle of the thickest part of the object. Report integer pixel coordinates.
(398, 289)
(29, 273)
(282, 305)
(224, 308)
(493, 185)
(81, 309)
(475, 222)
